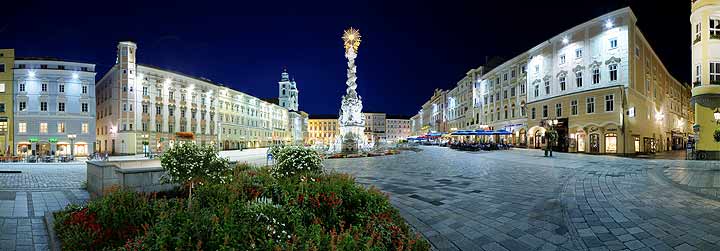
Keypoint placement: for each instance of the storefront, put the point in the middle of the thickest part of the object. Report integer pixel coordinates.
(611, 143)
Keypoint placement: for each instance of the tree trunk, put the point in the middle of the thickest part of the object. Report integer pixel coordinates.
(192, 184)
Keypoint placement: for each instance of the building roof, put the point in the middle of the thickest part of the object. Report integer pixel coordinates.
(324, 116)
(397, 116)
(49, 59)
(271, 100)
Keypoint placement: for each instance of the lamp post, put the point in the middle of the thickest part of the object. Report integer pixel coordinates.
(72, 143)
(145, 143)
(550, 135)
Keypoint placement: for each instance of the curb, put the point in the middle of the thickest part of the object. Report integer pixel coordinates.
(53, 241)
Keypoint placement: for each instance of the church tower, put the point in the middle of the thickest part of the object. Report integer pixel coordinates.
(705, 42)
(287, 91)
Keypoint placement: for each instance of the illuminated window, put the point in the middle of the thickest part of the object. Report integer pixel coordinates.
(22, 127)
(43, 128)
(85, 128)
(61, 127)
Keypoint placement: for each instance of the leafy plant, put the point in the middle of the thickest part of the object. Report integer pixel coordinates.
(189, 164)
(716, 135)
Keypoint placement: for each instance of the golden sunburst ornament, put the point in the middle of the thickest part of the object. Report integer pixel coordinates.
(352, 38)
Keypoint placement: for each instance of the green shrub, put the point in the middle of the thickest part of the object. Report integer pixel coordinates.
(255, 210)
(294, 160)
(106, 222)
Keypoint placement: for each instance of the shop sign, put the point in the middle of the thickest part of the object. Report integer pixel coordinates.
(593, 129)
(33, 139)
(611, 130)
(52, 140)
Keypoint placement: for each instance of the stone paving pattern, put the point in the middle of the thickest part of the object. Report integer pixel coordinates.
(519, 200)
(26, 196)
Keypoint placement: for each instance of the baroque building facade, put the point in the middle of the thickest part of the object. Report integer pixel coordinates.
(379, 128)
(7, 64)
(600, 80)
(705, 21)
(145, 108)
(54, 111)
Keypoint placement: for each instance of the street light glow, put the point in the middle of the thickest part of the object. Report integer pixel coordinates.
(608, 24)
(565, 40)
(31, 74)
(75, 76)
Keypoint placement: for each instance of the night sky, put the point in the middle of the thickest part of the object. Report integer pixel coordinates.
(409, 48)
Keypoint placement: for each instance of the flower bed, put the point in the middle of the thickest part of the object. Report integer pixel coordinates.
(254, 209)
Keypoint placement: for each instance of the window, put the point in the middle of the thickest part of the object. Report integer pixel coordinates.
(574, 107)
(562, 83)
(43, 66)
(22, 106)
(562, 59)
(547, 87)
(505, 94)
(698, 30)
(512, 73)
(61, 67)
(590, 105)
(171, 128)
(84, 89)
(158, 110)
(2, 107)
(537, 90)
(43, 128)
(2, 67)
(61, 127)
(144, 127)
(613, 43)
(61, 107)
(83, 68)
(578, 53)
(532, 113)
(44, 87)
(522, 89)
(714, 28)
(159, 92)
(145, 90)
(22, 127)
(637, 51)
(144, 108)
(43, 106)
(613, 72)
(512, 91)
(171, 111)
(21, 87)
(61, 88)
(85, 128)
(714, 72)
(84, 107)
(558, 110)
(545, 111)
(124, 107)
(578, 79)
(158, 127)
(505, 76)
(698, 73)
(609, 103)
(596, 76)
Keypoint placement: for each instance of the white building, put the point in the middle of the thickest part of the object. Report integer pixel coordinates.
(145, 108)
(54, 107)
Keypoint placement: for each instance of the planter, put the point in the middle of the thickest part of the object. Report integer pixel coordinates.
(53, 240)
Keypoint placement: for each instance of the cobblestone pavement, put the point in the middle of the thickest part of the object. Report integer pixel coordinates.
(26, 196)
(519, 200)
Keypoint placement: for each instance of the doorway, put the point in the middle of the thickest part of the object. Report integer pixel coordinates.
(610, 143)
(594, 143)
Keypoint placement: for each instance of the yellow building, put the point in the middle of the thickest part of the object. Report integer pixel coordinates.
(322, 129)
(7, 62)
(705, 21)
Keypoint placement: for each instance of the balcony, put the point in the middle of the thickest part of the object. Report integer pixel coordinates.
(697, 40)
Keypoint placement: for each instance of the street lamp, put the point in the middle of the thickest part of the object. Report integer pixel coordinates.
(72, 143)
(145, 143)
(550, 135)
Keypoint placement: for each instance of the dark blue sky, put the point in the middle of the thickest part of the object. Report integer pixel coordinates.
(409, 47)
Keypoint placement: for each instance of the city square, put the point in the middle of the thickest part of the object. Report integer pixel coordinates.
(470, 125)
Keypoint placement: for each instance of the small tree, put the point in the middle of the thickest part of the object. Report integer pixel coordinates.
(189, 164)
(292, 160)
